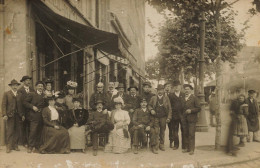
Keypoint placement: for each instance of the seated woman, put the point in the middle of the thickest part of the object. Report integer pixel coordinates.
(55, 138)
(77, 118)
(62, 109)
(119, 139)
(99, 123)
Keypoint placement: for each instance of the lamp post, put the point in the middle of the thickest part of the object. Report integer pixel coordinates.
(202, 125)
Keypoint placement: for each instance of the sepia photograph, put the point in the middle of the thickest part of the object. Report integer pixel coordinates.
(129, 83)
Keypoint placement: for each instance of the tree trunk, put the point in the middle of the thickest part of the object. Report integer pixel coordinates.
(218, 77)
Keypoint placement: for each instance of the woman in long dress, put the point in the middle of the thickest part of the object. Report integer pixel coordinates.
(55, 138)
(78, 117)
(119, 138)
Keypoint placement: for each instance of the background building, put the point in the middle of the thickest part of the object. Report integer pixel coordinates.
(81, 40)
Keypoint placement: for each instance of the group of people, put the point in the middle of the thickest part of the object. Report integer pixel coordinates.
(56, 122)
(245, 121)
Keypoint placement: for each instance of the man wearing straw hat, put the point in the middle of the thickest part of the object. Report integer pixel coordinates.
(11, 115)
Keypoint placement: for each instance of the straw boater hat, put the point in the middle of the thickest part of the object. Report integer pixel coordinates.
(24, 78)
(188, 85)
(13, 82)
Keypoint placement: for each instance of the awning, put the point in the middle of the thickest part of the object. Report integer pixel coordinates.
(81, 34)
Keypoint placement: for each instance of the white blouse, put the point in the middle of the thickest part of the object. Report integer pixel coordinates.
(122, 116)
(54, 113)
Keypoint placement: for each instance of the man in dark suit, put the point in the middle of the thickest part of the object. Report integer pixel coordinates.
(252, 118)
(99, 95)
(35, 103)
(176, 99)
(10, 113)
(189, 119)
(147, 91)
(23, 92)
(160, 107)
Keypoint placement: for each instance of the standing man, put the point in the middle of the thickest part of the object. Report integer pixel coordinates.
(252, 118)
(24, 92)
(110, 93)
(147, 94)
(160, 107)
(189, 119)
(99, 95)
(167, 88)
(35, 103)
(10, 114)
(176, 99)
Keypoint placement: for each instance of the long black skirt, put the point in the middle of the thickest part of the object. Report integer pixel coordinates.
(55, 141)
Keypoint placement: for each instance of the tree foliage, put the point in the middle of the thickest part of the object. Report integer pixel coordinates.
(179, 36)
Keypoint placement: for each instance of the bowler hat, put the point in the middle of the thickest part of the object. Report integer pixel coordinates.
(13, 82)
(24, 78)
(147, 83)
(176, 83)
(188, 85)
(160, 87)
(120, 85)
(133, 86)
(251, 91)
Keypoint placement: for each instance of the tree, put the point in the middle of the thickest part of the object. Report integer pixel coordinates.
(190, 11)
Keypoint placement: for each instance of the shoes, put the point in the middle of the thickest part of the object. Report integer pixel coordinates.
(83, 150)
(16, 148)
(135, 150)
(256, 140)
(175, 148)
(8, 150)
(185, 151)
(191, 153)
(42, 152)
(241, 145)
(171, 145)
(161, 147)
(154, 150)
(94, 152)
(29, 150)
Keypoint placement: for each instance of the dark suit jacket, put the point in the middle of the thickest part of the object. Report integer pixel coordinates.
(166, 104)
(34, 99)
(141, 117)
(177, 104)
(98, 96)
(193, 104)
(9, 104)
(78, 116)
(22, 95)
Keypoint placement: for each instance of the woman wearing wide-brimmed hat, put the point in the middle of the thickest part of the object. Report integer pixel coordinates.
(71, 93)
(55, 138)
(119, 139)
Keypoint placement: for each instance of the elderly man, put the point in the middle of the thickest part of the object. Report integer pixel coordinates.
(24, 91)
(160, 107)
(252, 118)
(189, 118)
(99, 95)
(10, 113)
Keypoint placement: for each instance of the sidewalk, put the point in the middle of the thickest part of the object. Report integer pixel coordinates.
(204, 155)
